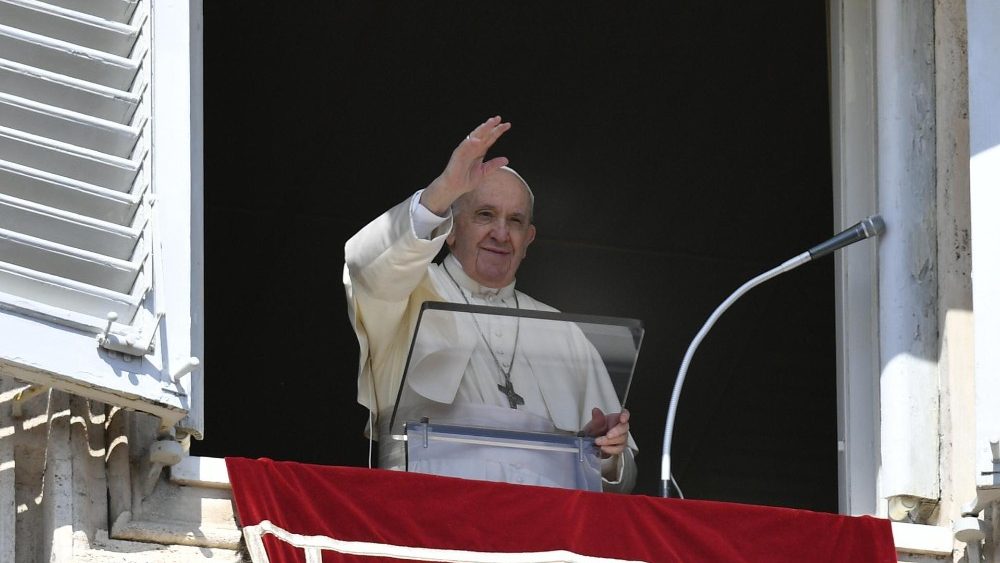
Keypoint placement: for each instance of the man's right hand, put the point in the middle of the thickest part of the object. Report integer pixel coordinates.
(465, 169)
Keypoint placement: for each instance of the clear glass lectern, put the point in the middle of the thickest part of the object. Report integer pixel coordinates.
(502, 394)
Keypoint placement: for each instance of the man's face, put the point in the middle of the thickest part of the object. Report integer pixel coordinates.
(493, 230)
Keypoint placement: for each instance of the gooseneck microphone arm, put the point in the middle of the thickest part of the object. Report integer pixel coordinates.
(872, 226)
(665, 476)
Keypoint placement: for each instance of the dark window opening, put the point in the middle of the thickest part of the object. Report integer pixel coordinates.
(676, 150)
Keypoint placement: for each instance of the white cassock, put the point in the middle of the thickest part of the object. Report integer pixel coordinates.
(389, 275)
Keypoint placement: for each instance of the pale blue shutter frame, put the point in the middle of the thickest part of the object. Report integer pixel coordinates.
(100, 200)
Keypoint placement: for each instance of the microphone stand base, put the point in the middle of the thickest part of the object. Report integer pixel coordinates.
(668, 490)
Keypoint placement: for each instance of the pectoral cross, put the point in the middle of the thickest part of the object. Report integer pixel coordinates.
(513, 398)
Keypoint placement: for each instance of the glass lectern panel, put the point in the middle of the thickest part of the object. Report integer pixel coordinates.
(475, 371)
(533, 458)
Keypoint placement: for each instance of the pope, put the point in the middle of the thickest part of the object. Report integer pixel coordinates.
(482, 210)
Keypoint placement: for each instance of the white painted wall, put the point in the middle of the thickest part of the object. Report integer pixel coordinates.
(984, 170)
(908, 324)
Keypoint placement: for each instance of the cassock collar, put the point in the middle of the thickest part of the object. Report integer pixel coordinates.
(472, 286)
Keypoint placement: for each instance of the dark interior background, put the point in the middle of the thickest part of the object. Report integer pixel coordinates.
(676, 149)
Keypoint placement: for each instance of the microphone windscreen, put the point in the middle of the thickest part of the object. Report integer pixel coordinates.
(873, 226)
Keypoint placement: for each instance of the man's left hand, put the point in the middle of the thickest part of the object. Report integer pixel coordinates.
(611, 430)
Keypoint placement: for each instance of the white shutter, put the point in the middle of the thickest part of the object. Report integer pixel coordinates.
(82, 209)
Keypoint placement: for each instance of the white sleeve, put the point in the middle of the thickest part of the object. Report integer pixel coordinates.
(619, 472)
(424, 220)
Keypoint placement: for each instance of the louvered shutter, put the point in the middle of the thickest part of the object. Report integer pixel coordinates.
(99, 249)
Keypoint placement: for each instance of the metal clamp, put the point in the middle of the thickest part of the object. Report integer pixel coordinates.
(128, 344)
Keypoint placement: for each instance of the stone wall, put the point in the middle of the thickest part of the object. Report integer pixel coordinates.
(77, 484)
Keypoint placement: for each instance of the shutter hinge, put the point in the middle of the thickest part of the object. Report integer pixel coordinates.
(132, 343)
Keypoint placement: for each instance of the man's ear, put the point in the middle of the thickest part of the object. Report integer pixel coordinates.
(530, 238)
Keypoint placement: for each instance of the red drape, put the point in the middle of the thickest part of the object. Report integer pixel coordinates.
(415, 510)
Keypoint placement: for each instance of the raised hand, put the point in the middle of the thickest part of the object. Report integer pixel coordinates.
(465, 169)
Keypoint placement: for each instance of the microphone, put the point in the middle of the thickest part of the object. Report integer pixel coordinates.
(872, 226)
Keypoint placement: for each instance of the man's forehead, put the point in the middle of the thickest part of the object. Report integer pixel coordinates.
(502, 189)
(495, 202)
